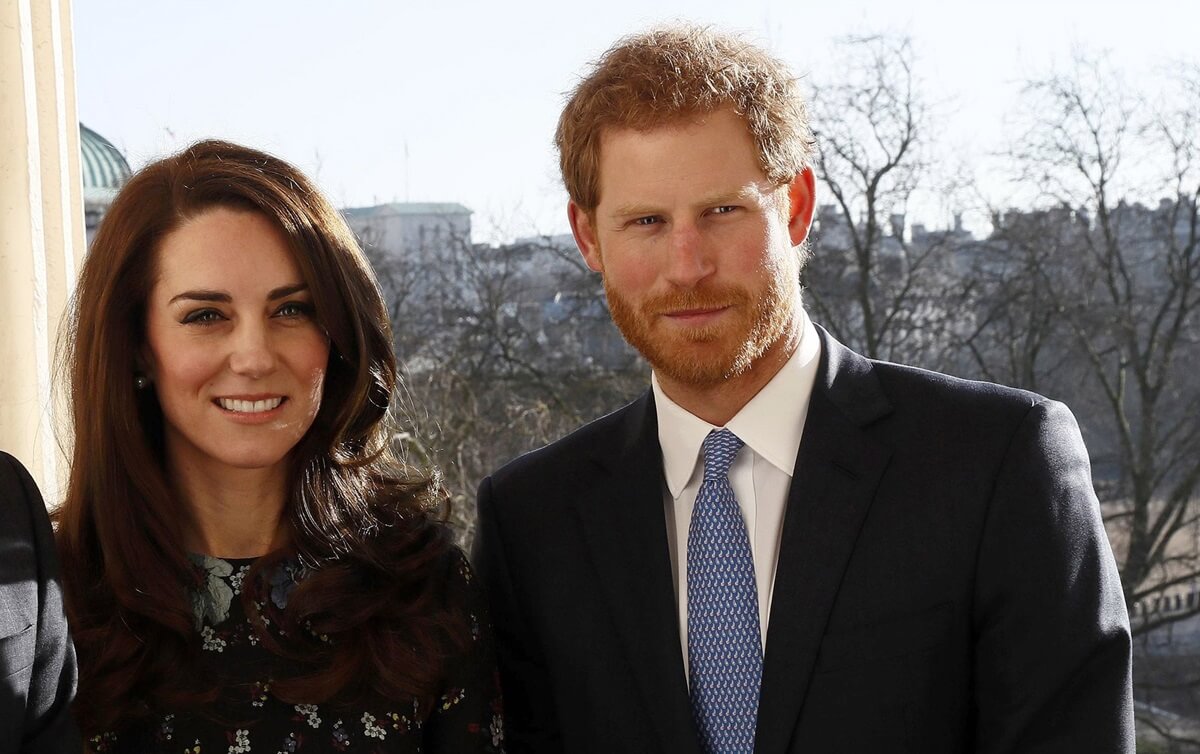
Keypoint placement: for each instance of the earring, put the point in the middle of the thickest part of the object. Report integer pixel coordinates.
(141, 382)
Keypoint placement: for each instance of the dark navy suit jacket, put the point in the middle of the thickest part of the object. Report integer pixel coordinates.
(944, 582)
(37, 659)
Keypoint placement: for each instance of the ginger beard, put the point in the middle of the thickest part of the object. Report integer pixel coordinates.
(707, 356)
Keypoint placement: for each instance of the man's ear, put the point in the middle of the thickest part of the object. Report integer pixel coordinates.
(583, 226)
(802, 200)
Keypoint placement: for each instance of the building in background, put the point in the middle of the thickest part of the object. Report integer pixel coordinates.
(411, 229)
(105, 171)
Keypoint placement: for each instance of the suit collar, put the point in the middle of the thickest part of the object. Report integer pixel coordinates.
(624, 524)
(837, 472)
(850, 383)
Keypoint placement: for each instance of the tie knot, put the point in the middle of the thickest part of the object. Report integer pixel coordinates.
(719, 449)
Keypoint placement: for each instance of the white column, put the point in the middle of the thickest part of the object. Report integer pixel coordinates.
(41, 227)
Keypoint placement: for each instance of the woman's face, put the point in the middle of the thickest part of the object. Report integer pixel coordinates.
(235, 353)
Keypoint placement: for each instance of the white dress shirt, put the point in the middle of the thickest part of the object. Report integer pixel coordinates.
(770, 425)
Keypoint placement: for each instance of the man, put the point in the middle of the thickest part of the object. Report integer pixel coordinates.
(781, 546)
(37, 660)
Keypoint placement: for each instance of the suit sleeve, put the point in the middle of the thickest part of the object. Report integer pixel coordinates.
(530, 724)
(48, 726)
(1053, 651)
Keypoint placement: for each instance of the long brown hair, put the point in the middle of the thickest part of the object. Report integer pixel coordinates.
(359, 522)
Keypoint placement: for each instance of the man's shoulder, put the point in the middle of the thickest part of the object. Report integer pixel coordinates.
(934, 403)
(900, 381)
(864, 388)
(18, 495)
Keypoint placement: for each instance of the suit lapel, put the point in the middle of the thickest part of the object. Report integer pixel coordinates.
(837, 471)
(625, 529)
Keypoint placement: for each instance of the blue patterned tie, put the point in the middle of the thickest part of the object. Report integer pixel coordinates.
(724, 643)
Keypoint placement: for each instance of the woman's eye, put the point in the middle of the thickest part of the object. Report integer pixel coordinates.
(202, 317)
(723, 210)
(295, 309)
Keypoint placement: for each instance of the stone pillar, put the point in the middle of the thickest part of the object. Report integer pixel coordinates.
(41, 228)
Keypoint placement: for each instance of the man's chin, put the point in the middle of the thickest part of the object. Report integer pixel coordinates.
(696, 366)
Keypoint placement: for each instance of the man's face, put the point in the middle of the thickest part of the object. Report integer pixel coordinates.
(696, 247)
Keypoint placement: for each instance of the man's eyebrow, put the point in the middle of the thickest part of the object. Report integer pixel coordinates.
(749, 191)
(740, 194)
(633, 210)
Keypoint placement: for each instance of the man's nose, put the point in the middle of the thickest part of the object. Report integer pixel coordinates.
(253, 354)
(689, 258)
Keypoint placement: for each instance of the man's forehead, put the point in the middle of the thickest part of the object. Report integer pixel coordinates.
(674, 122)
(702, 157)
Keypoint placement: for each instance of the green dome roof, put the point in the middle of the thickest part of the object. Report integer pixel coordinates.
(104, 167)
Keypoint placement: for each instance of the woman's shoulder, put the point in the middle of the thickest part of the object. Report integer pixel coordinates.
(460, 576)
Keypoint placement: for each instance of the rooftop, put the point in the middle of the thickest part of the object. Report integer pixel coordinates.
(406, 208)
(104, 167)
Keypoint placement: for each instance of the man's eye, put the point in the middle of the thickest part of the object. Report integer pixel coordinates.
(648, 220)
(203, 317)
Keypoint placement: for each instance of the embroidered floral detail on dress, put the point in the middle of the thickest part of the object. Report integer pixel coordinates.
(497, 730)
(370, 729)
(399, 723)
(103, 742)
(212, 642)
(212, 595)
(311, 714)
(235, 581)
(165, 729)
(240, 743)
(194, 748)
(313, 632)
(290, 744)
(341, 738)
(260, 693)
(451, 698)
(284, 580)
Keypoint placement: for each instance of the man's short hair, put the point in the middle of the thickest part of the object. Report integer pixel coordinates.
(675, 72)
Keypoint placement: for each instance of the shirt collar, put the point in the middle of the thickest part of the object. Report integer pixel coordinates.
(770, 424)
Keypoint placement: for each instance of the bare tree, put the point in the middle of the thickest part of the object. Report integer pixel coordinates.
(503, 349)
(875, 287)
(1011, 329)
(1117, 283)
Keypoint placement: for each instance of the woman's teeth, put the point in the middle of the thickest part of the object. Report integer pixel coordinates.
(249, 407)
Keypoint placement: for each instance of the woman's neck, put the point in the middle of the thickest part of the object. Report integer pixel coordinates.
(233, 513)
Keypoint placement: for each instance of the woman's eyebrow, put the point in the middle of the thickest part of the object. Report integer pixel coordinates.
(203, 296)
(225, 298)
(287, 290)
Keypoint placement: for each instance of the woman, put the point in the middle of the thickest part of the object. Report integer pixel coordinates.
(245, 568)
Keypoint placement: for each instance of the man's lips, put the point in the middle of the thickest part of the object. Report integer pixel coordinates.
(696, 314)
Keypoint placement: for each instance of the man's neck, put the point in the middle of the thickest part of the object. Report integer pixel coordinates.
(720, 402)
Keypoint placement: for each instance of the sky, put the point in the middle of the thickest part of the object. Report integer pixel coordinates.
(457, 101)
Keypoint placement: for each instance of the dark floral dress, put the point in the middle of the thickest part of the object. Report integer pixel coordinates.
(466, 717)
